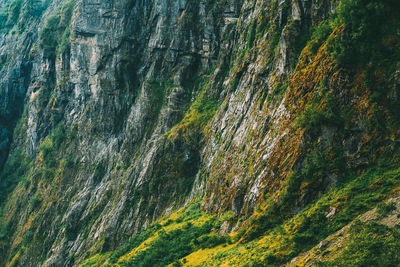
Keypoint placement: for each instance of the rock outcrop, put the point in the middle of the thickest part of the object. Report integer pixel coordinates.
(116, 113)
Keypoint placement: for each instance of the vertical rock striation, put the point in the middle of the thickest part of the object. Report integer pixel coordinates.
(133, 109)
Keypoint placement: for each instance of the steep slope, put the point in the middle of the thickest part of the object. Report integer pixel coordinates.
(270, 121)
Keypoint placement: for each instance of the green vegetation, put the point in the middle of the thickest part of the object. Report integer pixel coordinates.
(291, 235)
(166, 241)
(199, 114)
(3, 19)
(14, 11)
(50, 148)
(132, 243)
(48, 36)
(158, 91)
(26, 175)
(201, 111)
(384, 209)
(318, 162)
(371, 244)
(54, 37)
(368, 24)
(169, 246)
(251, 34)
(14, 171)
(51, 144)
(285, 225)
(296, 218)
(319, 35)
(275, 96)
(189, 231)
(3, 234)
(10, 15)
(369, 37)
(314, 116)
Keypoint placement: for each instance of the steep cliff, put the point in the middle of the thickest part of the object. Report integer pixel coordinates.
(148, 133)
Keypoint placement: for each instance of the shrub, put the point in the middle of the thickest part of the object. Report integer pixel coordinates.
(169, 246)
(48, 36)
(313, 117)
(14, 11)
(35, 202)
(384, 209)
(366, 23)
(99, 172)
(49, 150)
(11, 14)
(319, 35)
(157, 90)
(54, 37)
(251, 34)
(371, 245)
(200, 113)
(131, 244)
(209, 241)
(3, 19)
(13, 171)
(165, 244)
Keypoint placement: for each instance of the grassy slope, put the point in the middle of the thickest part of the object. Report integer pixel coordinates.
(188, 235)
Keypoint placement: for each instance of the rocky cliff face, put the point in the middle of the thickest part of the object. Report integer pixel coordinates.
(116, 113)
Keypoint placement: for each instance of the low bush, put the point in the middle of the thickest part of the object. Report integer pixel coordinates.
(367, 22)
(314, 116)
(10, 15)
(384, 209)
(54, 37)
(320, 35)
(14, 11)
(371, 244)
(15, 170)
(209, 241)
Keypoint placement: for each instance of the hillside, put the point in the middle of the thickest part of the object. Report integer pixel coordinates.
(199, 133)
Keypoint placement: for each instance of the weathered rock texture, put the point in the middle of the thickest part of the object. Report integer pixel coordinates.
(102, 123)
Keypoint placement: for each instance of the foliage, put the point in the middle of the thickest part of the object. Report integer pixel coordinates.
(371, 244)
(286, 230)
(4, 234)
(275, 96)
(367, 24)
(134, 242)
(177, 169)
(51, 144)
(14, 11)
(3, 19)
(48, 37)
(11, 14)
(49, 155)
(251, 34)
(54, 37)
(320, 35)
(384, 209)
(167, 240)
(208, 241)
(353, 196)
(13, 172)
(200, 113)
(158, 91)
(288, 225)
(169, 246)
(318, 113)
